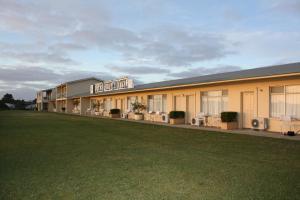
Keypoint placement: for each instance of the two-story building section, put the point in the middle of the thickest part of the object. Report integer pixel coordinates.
(58, 99)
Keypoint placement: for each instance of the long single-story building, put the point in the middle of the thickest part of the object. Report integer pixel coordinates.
(266, 98)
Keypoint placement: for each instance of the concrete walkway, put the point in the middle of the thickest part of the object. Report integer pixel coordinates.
(238, 131)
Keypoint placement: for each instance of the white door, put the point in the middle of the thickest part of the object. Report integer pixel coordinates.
(190, 108)
(248, 109)
(180, 103)
(120, 104)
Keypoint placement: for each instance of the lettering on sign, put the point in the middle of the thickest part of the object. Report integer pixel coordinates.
(111, 85)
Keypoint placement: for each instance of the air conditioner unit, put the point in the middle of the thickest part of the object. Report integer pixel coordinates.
(259, 123)
(165, 118)
(124, 115)
(197, 122)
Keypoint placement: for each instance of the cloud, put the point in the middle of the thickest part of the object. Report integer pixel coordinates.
(62, 47)
(232, 14)
(199, 71)
(287, 6)
(51, 17)
(38, 52)
(139, 70)
(74, 25)
(167, 46)
(38, 57)
(17, 79)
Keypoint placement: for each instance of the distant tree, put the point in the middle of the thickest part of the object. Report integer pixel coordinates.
(8, 98)
(3, 106)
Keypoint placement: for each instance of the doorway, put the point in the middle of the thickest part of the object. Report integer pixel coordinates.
(247, 108)
(190, 108)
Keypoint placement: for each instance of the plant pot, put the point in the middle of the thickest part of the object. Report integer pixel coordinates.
(177, 121)
(114, 115)
(138, 116)
(229, 125)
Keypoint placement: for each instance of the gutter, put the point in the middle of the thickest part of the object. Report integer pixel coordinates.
(194, 84)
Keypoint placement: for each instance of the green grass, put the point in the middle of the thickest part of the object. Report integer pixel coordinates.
(52, 156)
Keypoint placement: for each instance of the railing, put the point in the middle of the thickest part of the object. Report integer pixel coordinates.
(61, 95)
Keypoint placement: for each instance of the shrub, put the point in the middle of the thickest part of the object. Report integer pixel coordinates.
(138, 107)
(115, 111)
(177, 114)
(229, 116)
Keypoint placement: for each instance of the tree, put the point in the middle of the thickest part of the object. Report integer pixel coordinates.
(8, 98)
(138, 107)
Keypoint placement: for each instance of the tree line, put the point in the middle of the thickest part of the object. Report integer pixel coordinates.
(19, 104)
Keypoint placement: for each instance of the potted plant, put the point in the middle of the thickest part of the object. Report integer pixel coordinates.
(138, 108)
(114, 113)
(76, 103)
(96, 107)
(177, 117)
(229, 120)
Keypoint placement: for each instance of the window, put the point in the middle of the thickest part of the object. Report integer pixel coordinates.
(108, 86)
(277, 101)
(157, 103)
(99, 87)
(130, 101)
(293, 101)
(107, 104)
(214, 102)
(285, 101)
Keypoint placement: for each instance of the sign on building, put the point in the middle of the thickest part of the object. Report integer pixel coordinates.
(111, 85)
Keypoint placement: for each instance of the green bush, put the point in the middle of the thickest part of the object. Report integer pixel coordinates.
(115, 111)
(229, 116)
(177, 114)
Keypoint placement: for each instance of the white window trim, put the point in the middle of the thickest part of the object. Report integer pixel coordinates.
(207, 91)
(284, 105)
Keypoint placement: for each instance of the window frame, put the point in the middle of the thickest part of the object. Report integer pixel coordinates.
(222, 97)
(285, 100)
(163, 100)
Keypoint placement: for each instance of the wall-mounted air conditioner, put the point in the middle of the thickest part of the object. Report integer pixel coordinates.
(259, 123)
(165, 118)
(197, 122)
(124, 115)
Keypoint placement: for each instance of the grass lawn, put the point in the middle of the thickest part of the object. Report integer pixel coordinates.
(53, 156)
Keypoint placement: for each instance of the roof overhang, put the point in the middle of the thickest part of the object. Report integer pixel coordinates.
(196, 84)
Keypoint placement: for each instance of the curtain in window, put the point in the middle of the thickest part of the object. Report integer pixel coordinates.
(107, 104)
(157, 101)
(224, 106)
(277, 105)
(130, 101)
(164, 103)
(150, 103)
(204, 105)
(293, 101)
(214, 102)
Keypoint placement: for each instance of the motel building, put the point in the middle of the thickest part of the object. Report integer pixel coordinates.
(266, 98)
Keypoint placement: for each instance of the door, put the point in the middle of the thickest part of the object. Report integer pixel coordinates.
(120, 104)
(248, 109)
(190, 108)
(180, 103)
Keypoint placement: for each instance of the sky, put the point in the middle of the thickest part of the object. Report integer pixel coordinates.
(46, 42)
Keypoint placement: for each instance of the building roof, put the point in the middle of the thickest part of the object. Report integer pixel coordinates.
(80, 80)
(206, 79)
